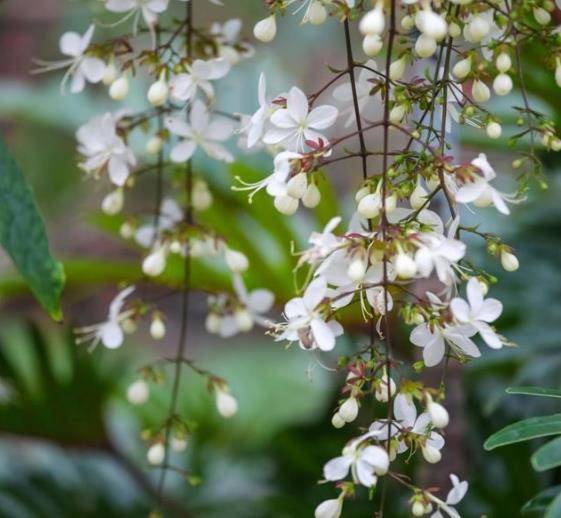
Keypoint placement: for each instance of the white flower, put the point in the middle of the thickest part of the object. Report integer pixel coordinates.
(323, 243)
(478, 312)
(82, 67)
(257, 121)
(102, 147)
(203, 131)
(344, 94)
(148, 235)
(256, 302)
(226, 404)
(440, 253)
(405, 413)
(363, 462)
(183, 87)
(480, 192)
(295, 124)
(149, 9)
(433, 337)
(455, 495)
(305, 322)
(110, 332)
(329, 508)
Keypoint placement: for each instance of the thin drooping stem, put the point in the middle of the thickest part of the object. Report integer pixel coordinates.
(182, 342)
(384, 226)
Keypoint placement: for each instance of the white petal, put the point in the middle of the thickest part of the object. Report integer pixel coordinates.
(118, 170)
(475, 294)
(70, 44)
(315, 292)
(337, 468)
(322, 117)
(183, 151)
(491, 309)
(93, 69)
(323, 335)
(404, 410)
(365, 474)
(111, 335)
(460, 309)
(282, 119)
(297, 104)
(260, 301)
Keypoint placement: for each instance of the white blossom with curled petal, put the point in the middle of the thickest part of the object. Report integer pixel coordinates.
(149, 234)
(405, 413)
(440, 253)
(368, 107)
(227, 36)
(432, 337)
(184, 87)
(102, 147)
(294, 125)
(81, 67)
(203, 131)
(305, 322)
(364, 462)
(257, 122)
(323, 243)
(480, 192)
(110, 332)
(478, 312)
(454, 497)
(148, 9)
(256, 302)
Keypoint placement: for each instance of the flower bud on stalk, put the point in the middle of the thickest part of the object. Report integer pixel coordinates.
(236, 261)
(226, 404)
(502, 84)
(113, 203)
(157, 328)
(158, 91)
(156, 454)
(462, 68)
(509, 261)
(119, 89)
(155, 263)
(493, 130)
(349, 410)
(317, 13)
(337, 421)
(329, 508)
(138, 392)
(312, 197)
(265, 30)
(372, 45)
(480, 91)
(438, 414)
(373, 22)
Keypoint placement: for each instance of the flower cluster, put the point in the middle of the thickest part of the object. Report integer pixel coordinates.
(398, 234)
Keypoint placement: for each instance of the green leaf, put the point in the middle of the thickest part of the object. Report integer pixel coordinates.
(548, 456)
(534, 391)
(22, 234)
(525, 430)
(554, 510)
(539, 503)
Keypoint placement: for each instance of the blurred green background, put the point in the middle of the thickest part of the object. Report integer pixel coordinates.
(71, 443)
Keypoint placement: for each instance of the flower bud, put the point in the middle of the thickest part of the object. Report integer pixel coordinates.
(129, 326)
(138, 392)
(462, 68)
(178, 444)
(373, 22)
(126, 231)
(405, 266)
(113, 203)
(541, 15)
(369, 206)
(317, 13)
(438, 414)
(372, 45)
(407, 22)
(349, 410)
(297, 185)
(558, 73)
(157, 328)
(155, 263)
(509, 261)
(503, 62)
(502, 84)
(286, 205)
(382, 394)
(431, 454)
(418, 197)
(397, 69)
(417, 509)
(454, 30)
(480, 91)
(109, 75)
(337, 421)
(361, 193)
(236, 261)
(397, 113)
(201, 197)
(425, 46)
(119, 89)
(265, 30)
(243, 320)
(156, 454)
(329, 508)
(391, 203)
(226, 404)
(312, 197)
(154, 145)
(477, 29)
(158, 92)
(431, 24)
(357, 269)
(176, 247)
(493, 130)
(212, 323)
